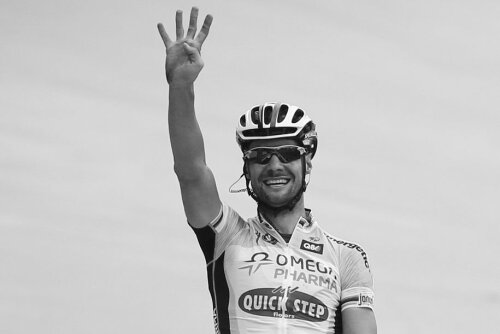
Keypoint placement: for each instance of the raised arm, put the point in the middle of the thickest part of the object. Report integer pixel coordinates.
(183, 64)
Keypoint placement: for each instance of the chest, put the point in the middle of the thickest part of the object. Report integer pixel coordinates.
(263, 272)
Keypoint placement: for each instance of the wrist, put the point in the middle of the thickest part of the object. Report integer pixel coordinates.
(180, 85)
(181, 91)
(180, 79)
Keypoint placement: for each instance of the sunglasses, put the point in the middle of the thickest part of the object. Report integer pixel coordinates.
(286, 153)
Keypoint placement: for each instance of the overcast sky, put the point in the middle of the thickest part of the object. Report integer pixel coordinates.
(93, 237)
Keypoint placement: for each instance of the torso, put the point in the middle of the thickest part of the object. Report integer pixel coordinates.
(262, 284)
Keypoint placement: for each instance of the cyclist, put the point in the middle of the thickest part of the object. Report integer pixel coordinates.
(278, 272)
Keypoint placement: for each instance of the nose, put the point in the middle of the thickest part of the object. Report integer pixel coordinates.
(274, 162)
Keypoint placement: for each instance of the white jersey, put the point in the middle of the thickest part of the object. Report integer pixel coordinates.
(261, 284)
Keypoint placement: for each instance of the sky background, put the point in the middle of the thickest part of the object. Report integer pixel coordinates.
(93, 237)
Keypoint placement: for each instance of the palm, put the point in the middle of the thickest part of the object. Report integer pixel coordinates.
(184, 63)
(180, 65)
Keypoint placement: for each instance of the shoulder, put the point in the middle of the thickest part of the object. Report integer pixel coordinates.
(227, 221)
(226, 215)
(348, 249)
(226, 227)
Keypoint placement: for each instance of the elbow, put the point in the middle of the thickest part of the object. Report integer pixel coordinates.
(189, 173)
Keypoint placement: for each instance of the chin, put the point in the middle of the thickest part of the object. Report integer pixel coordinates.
(274, 200)
(276, 205)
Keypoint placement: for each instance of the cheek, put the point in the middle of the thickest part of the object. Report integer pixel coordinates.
(250, 171)
(253, 171)
(255, 168)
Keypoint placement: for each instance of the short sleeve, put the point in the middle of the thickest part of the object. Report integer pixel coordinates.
(215, 237)
(356, 278)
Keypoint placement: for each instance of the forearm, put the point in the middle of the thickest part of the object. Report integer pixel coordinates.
(185, 135)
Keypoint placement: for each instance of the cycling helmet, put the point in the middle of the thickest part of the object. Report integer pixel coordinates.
(276, 120)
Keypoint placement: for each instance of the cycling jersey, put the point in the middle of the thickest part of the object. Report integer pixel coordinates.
(261, 284)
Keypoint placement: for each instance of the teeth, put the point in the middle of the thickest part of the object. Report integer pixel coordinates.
(276, 181)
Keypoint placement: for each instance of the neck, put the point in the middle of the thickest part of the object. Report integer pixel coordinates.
(285, 220)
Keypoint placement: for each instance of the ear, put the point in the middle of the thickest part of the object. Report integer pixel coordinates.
(245, 170)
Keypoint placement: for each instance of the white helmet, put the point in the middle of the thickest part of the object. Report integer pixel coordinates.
(276, 120)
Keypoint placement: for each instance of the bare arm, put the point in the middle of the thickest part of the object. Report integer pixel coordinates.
(358, 321)
(183, 64)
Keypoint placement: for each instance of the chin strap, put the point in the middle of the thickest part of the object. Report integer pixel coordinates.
(233, 191)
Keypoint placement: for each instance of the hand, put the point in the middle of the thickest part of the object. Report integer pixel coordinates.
(184, 63)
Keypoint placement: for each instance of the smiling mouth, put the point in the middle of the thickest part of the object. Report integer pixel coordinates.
(276, 182)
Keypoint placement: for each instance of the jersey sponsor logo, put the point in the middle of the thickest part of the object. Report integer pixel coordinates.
(354, 246)
(283, 303)
(290, 261)
(324, 281)
(294, 268)
(311, 247)
(256, 261)
(365, 300)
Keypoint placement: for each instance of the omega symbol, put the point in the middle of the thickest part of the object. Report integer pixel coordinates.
(257, 260)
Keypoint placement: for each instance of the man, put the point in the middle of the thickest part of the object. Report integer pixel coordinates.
(278, 272)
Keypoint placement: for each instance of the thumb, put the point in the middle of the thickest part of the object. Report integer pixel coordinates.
(192, 52)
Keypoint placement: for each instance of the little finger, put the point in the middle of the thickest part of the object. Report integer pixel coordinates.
(164, 36)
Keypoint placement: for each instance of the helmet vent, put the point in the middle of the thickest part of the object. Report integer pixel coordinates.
(255, 115)
(268, 112)
(282, 113)
(243, 121)
(298, 116)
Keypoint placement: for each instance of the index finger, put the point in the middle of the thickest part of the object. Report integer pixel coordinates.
(202, 35)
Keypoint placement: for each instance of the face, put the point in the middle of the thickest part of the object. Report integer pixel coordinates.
(276, 182)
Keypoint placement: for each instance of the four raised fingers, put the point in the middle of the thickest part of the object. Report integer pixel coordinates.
(179, 29)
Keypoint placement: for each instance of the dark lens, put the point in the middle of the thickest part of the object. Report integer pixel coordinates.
(263, 156)
(288, 154)
(259, 155)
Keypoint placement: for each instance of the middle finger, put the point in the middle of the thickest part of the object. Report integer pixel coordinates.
(192, 23)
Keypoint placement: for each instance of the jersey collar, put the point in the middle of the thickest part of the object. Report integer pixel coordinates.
(304, 223)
